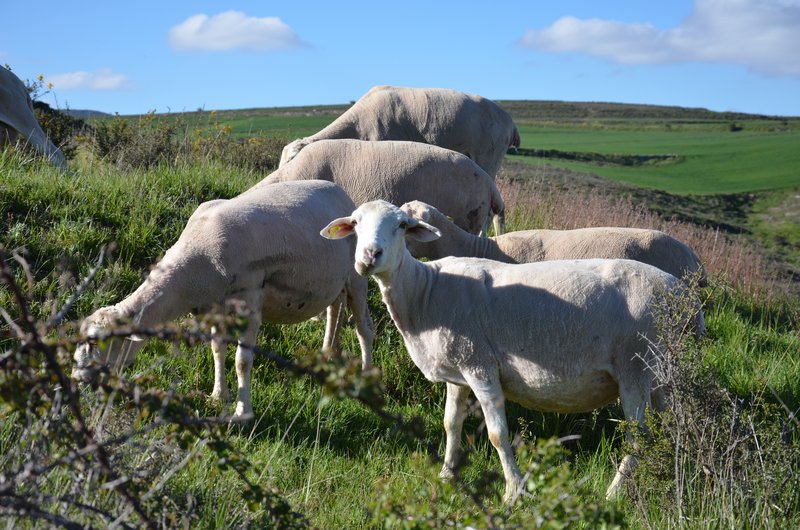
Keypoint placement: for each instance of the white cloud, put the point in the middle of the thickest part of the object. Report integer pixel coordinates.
(102, 79)
(232, 30)
(763, 35)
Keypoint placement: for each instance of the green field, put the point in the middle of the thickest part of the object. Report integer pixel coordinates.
(726, 456)
(710, 158)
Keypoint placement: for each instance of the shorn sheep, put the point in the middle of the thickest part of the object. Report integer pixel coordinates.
(528, 246)
(472, 125)
(261, 248)
(397, 172)
(18, 119)
(561, 336)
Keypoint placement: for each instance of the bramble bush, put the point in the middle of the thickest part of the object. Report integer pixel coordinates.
(150, 141)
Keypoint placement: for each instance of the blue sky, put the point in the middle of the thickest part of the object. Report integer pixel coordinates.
(132, 57)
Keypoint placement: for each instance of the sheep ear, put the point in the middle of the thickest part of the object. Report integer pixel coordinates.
(423, 232)
(339, 228)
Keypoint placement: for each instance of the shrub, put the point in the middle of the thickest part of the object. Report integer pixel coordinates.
(61, 128)
(151, 141)
(144, 143)
(713, 458)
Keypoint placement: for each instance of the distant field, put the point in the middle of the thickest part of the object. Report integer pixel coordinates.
(764, 154)
(710, 158)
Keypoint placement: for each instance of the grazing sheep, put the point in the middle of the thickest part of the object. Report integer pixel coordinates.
(562, 336)
(528, 246)
(260, 248)
(17, 118)
(398, 172)
(472, 125)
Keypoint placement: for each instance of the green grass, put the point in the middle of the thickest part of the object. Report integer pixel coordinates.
(711, 160)
(339, 464)
(763, 155)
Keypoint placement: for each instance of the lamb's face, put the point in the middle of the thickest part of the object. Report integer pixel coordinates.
(381, 229)
(116, 352)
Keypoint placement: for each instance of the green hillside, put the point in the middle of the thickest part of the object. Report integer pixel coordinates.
(714, 152)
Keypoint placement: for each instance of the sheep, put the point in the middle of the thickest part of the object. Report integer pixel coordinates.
(399, 171)
(561, 336)
(260, 248)
(472, 125)
(18, 119)
(528, 246)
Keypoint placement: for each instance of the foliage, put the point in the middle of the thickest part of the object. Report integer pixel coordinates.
(150, 141)
(712, 456)
(554, 498)
(65, 464)
(320, 447)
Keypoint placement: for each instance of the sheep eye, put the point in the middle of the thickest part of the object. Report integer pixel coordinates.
(403, 225)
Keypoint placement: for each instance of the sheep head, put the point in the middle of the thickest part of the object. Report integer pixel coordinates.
(381, 229)
(115, 352)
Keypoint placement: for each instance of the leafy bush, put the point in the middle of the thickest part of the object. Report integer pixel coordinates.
(61, 128)
(145, 143)
(150, 141)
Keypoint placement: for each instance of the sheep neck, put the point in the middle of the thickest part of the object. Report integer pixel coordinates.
(152, 303)
(408, 282)
(463, 244)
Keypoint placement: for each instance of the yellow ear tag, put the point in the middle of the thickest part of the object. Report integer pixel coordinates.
(335, 229)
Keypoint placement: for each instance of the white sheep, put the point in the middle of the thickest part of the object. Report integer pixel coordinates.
(260, 248)
(398, 172)
(561, 336)
(17, 118)
(528, 246)
(472, 125)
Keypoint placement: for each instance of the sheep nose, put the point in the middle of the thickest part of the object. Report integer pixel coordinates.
(372, 254)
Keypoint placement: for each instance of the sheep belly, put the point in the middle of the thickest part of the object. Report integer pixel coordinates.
(538, 388)
(290, 306)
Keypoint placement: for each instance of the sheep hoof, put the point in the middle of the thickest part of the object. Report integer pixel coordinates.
(512, 494)
(219, 396)
(244, 413)
(446, 473)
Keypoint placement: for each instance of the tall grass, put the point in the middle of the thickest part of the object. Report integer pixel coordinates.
(312, 449)
(733, 261)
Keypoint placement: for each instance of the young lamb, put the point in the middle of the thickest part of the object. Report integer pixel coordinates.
(398, 172)
(528, 246)
(261, 248)
(472, 125)
(561, 336)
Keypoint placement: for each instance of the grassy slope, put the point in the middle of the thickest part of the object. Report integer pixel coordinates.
(762, 156)
(332, 464)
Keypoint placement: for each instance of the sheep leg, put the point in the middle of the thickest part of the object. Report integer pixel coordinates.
(489, 393)
(357, 302)
(333, 324)
(635, 399)
(244, 365)
(455, 410)
(218, 350)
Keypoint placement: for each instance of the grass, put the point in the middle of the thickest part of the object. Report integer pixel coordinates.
(710, 160)
(334, 460)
